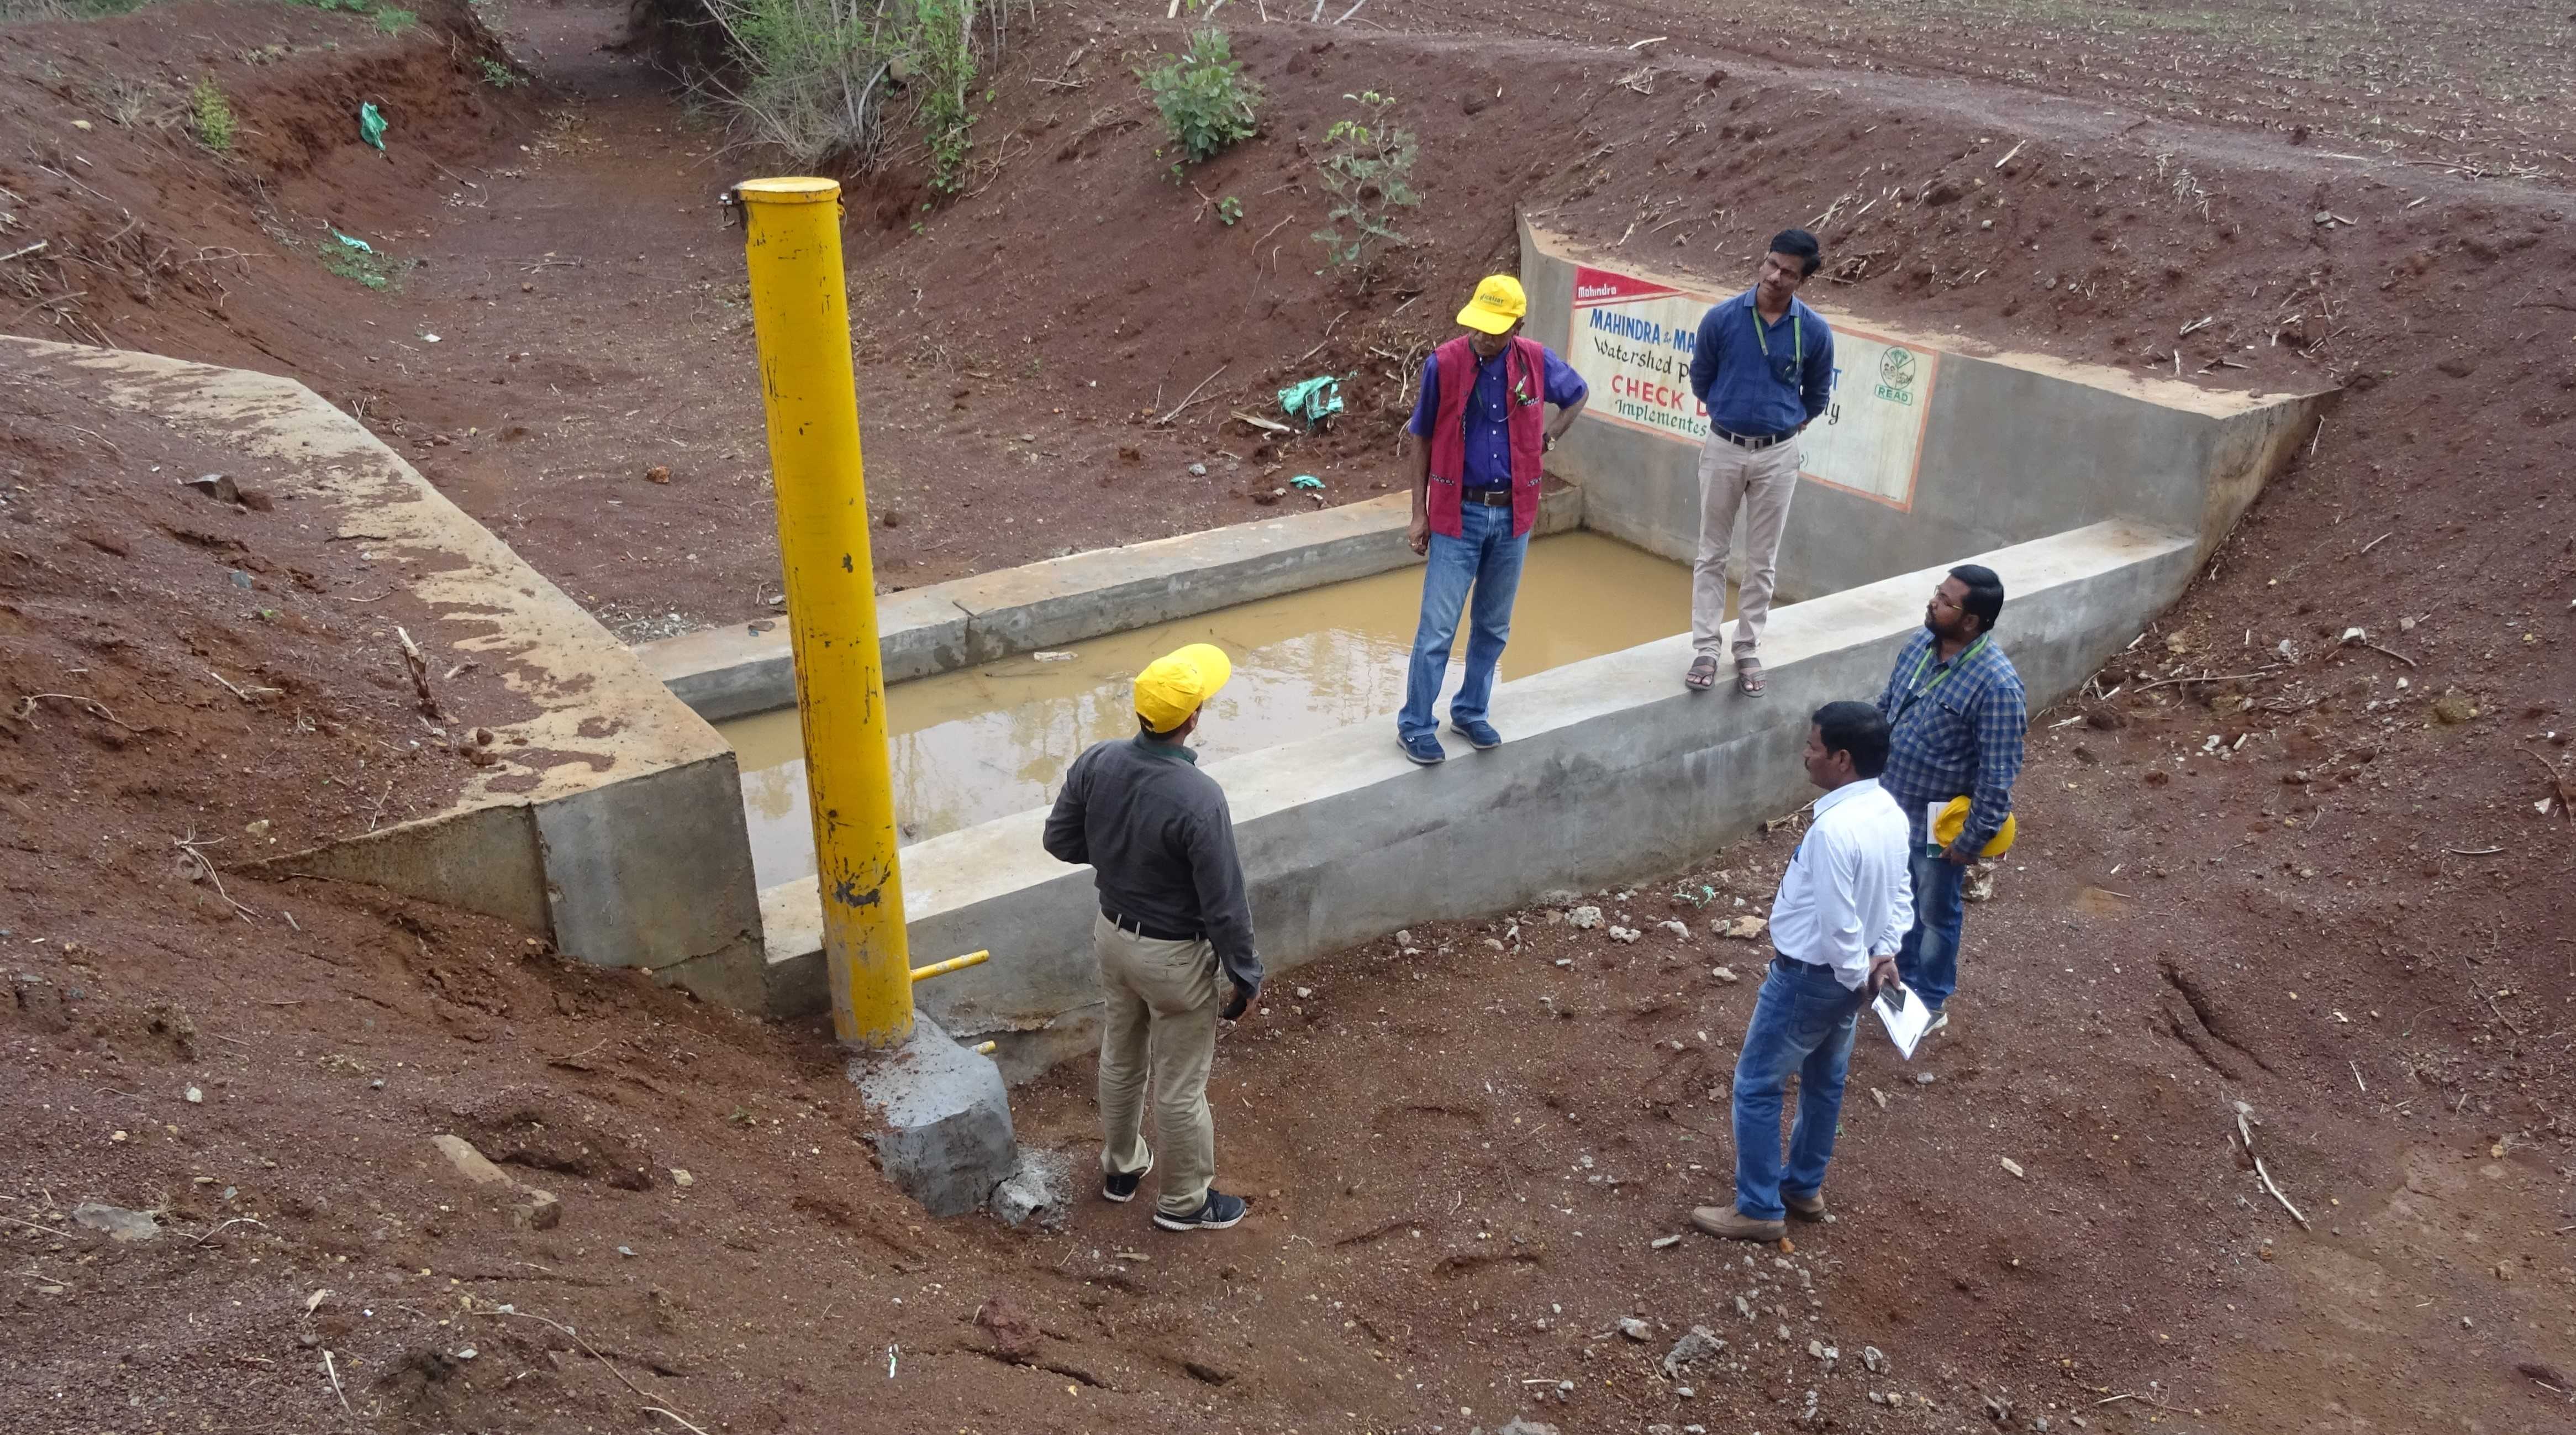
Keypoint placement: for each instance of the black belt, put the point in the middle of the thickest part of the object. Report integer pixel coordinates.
(1488, 497)
(1158, 934)
(1795, 962)
(1753, 441)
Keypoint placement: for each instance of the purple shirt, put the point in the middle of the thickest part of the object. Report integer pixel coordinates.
(1489, 447)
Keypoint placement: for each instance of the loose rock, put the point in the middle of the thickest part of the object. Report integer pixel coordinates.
(1634, 1328)
(1583, 918)
(1625, 934)
(1698, 1345)
(1725, 974)
(117, 1222)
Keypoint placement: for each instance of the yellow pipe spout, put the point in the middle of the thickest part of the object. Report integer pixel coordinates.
(800, 315)
(953, 964)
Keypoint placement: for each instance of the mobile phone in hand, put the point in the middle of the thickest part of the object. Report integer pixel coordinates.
(1238, 1004)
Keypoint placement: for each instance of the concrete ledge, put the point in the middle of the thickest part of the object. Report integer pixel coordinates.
(626, 843)
(732, 672)
(1612, 770)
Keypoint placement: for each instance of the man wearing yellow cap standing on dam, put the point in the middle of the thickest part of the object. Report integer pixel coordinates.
(1173, 921)
(1482, 427)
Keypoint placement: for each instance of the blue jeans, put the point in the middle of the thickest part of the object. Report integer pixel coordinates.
(1803, 1022)
(1929, 959)
(1487, 557)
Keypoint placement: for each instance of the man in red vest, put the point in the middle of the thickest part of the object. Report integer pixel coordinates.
(1482, 426)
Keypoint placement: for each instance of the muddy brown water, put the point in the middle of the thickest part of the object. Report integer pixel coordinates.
(990, 740)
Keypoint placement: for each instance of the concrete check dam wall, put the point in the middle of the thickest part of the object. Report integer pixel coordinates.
(2095, 493)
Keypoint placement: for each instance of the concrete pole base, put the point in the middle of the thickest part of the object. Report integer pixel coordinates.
(947, 1140)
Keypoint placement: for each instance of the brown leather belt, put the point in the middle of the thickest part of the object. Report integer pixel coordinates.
(1486, 497)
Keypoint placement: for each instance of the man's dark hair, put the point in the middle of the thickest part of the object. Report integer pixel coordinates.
(1800, 245)
(1856, 728)
(1985, 600)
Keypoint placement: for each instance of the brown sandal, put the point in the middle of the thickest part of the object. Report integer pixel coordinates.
(1702, 675)
(1749, 676)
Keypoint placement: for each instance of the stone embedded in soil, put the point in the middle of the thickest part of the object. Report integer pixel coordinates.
(1583, 919)
(1725, 974)
(1699, 1344)
(1634, 1328)
(1014, 1337)
(531, 1209)
(117, 1222)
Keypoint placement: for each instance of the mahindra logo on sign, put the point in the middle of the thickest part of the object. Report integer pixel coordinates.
(1596, 291)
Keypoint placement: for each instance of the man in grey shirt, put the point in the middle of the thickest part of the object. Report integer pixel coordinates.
(1160, 843)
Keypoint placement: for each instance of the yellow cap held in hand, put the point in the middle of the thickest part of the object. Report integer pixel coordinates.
(1498, 305)
(1173, 685)
(1954, 820)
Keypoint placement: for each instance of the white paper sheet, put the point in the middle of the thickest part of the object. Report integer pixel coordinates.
(1905, 1017)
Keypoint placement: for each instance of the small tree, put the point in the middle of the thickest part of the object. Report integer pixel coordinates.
(1207, 101)
(1367, 163)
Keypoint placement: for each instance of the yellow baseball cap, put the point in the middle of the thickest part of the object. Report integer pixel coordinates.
(1498, 305)
(1954, 820)
(1173, 685)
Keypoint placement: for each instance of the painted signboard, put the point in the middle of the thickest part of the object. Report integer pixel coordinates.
(1631, 340)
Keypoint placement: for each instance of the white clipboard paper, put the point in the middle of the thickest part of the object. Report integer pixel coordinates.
(1905, 1017)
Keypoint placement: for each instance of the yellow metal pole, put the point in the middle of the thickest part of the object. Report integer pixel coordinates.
(800, 313)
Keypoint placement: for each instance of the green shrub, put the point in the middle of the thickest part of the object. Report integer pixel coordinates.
(820, 78)
(941, 66)
(1367, 164)
(363, 266)
(211, 116)
(1207, 101)
(498, 75)
(392, 21)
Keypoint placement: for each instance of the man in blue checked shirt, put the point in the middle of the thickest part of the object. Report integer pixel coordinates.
(1956, 713)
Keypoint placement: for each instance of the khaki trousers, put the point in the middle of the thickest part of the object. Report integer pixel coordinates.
(1162, 1000)
(1758, 484)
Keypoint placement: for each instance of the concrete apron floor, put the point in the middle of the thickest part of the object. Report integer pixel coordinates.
(1611, 768)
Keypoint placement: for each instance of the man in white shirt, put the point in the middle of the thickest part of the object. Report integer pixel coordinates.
(1844, 907)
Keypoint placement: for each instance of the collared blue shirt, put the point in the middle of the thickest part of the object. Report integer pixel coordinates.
(1489, 446)
(1955, 729)
(1733, 376)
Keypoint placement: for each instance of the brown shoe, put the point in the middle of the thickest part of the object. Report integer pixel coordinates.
(1805, 1208)
(1734, 1225)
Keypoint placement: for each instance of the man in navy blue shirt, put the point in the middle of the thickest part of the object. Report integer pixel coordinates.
(1483, 427)
(1763, 368)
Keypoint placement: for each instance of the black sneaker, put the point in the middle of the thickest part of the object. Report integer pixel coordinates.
(1120, 1186)
(1215, 1213)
